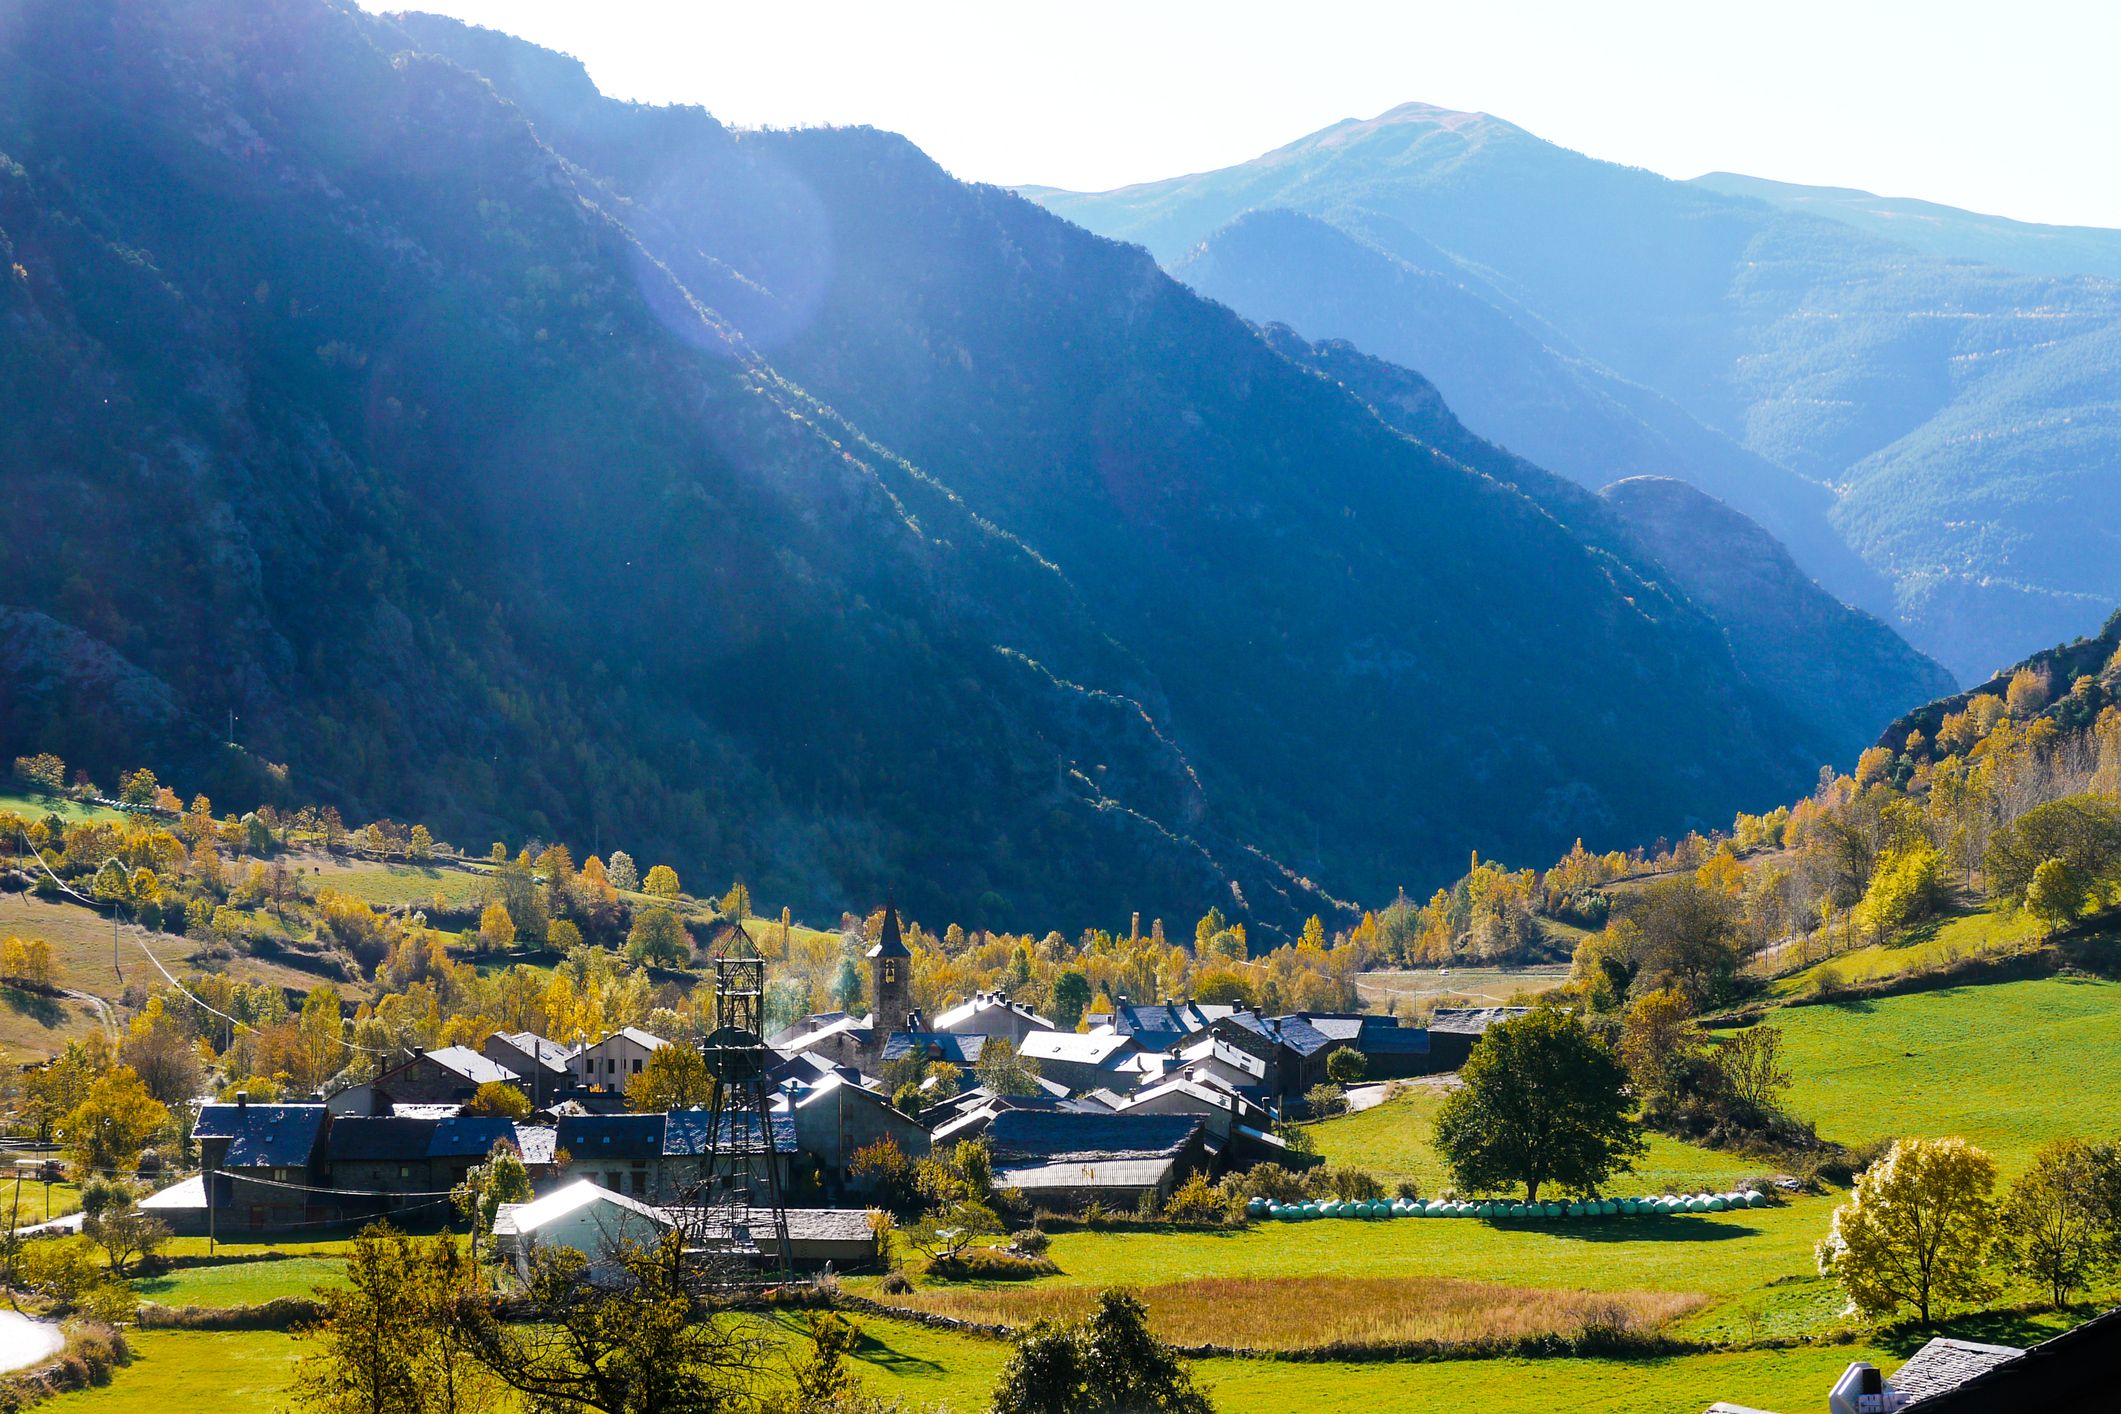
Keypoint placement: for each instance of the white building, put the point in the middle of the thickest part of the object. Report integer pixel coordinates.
(593, 1221)
(613, 1062)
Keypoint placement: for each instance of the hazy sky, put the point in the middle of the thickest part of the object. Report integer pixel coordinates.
(2010, 106)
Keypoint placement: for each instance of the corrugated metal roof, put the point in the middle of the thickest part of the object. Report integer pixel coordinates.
(262, 1136)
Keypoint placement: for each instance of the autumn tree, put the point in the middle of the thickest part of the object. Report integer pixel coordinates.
(113, 1123)
(2055, 894)
(1001, 1069)
(503, 1178)
(393, 1336)
(497, 931)
(1543, 1102)
(1916, 1229)
(500, 1100)
(163, 1052)
(2060, 1224)
(662, 882)
(624, 876)
(674, 1077)
(1754, 1077)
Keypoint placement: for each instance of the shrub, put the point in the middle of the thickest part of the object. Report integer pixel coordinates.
(1408, 1189)
(1197, 1201)
(897, 1283)
(1272, 1182)
(1030, 1242)
(1345, 1184)
(1325, 1101)
(989, 1264)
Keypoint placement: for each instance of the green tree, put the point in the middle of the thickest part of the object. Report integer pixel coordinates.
(1907, 886)
(1109, 1363)
(1916, 1229)
(2055, 894)
(662, 882)
(644, 1341)
(1346, 1066)
(1750, 1062)
(392, 1340)
(658, 937)
(503, 1178)
(2060, 1224)
(1071, 997)
(1001, 1069)
(736, 903)
(422, 847)
(1543, 1102)
(624, 876)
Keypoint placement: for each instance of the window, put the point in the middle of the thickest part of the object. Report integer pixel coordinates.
(637, 1065)
(890, 970)
(640, 1184)
(615, 1181)
(405, 1170)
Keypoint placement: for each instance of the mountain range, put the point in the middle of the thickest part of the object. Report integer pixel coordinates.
(1852, 387)
(491, 453)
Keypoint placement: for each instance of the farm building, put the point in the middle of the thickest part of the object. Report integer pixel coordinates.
(592, 1220)
(1079, 1062)
(403, 1162)
(656, 1157)
(835, 1120)
(260, 1160)
(1064, 1160)
(540, 1064)
(1454, 1031)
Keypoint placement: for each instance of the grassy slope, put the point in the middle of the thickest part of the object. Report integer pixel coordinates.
(1457, 986)
(36, 807)
(2008, 1065)
(241, 1283)
(1990, 931)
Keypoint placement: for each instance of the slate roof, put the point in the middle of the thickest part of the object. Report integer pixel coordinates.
(1086, 1173)
(938, 1045)
(1096, 1048)
(686, 1132)
(469, 1136)
(1026, 1137)
(262, 1136)
(1944, 1365)
(889, 943)
(1158, 1027)
(645, 1040)
(464, 1061)
(2074, 1371)
(537, 1143)
(588, 1137)
(967, 1011)
(380, 1139)
(550, 1054)
(1473, 1021)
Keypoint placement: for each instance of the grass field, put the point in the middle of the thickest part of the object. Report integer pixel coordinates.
(36, 807)
(2008, 1065)
(1986, 932)
(388, 885)
(1391, 1140)
(241, 1283)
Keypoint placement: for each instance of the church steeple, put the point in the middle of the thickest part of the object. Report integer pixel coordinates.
(890, 977)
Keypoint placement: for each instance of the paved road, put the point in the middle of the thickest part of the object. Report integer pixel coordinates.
(24, 1342)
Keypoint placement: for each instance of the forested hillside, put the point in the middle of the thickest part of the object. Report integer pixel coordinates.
(1962, 412)
(495, 452)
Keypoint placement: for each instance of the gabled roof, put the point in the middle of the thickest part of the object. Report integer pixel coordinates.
(1944, 1365)
(686, 1132)
(1095, 1048)
(463, 1061)
(263, 1136)
(526, 1218)
(379, 1139)
(793, 1037)
(967, 1011)
(2072, 1371)
(549, 1054)
(937, 1045)
(635, 1034)
(1158, 1026)
(889, 943)
(586, 1138)
(1214, 1048)
(1020, 1137)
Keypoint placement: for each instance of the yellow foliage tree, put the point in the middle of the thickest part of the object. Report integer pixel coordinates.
(1916, 1229)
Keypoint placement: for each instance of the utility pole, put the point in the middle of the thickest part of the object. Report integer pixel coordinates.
(231, 726)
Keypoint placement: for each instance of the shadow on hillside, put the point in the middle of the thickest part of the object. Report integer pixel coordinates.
(1634, 1229)
(2021, 1328)
(48, 1012)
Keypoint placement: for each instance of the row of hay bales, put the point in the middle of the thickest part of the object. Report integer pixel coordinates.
(1493, 1208)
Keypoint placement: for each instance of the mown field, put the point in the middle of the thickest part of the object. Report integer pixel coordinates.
(242, 1283)
(1426, 987)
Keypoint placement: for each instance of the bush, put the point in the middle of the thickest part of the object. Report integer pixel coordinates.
(1345, 1184)
(1030, 1242)
(897, 1283)
(1272, 1182)
(989, 1264)
(1408, 1189)
(1326, 1101)
(1199, 1201)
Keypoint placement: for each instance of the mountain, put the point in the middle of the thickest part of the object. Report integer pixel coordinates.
(1842, 669)
(506, 457)
(1961, 414)
(1506, 373)
(1838, 669)
(2027, 247)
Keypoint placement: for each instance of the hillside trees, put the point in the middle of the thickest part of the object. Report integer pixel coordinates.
(1916, 1229)
(2060, 1224)
(1543, 1103)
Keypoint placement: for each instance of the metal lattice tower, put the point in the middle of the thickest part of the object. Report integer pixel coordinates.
(740, 1121)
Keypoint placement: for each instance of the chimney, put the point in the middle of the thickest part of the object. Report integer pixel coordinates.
(1862, 1390)
(243, 1099)
(1134, 931)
